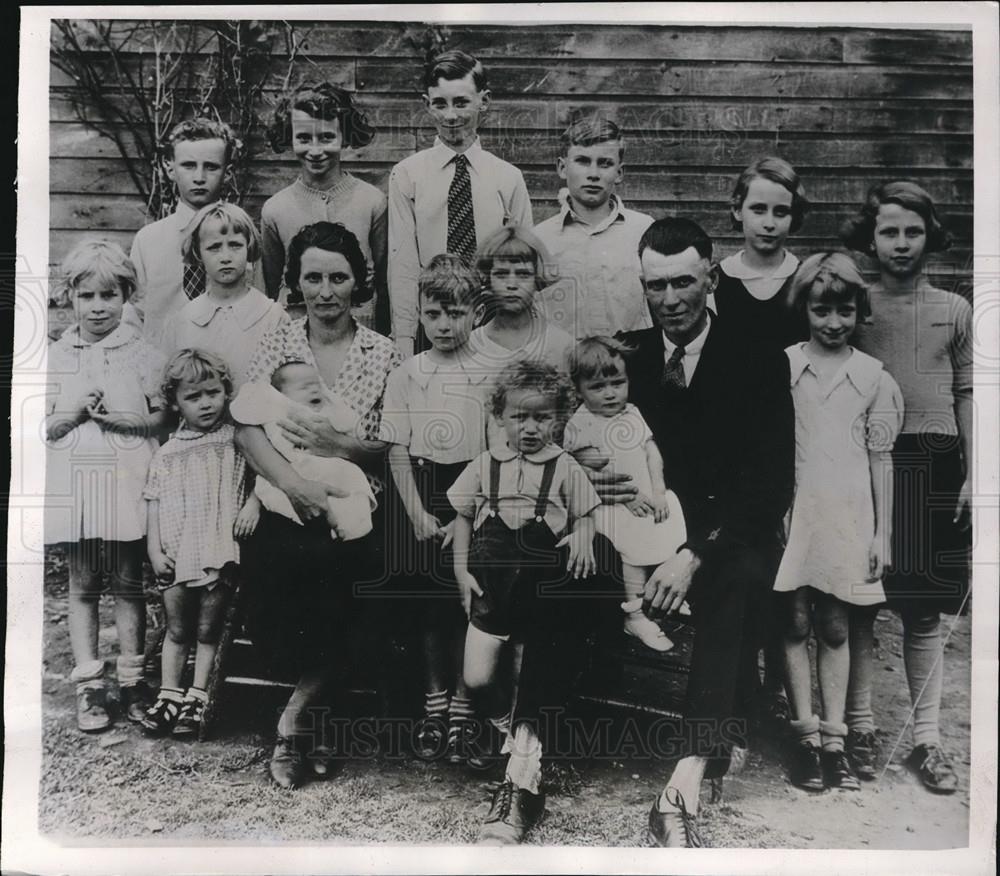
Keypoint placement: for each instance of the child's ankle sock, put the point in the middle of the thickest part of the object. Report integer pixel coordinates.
(171, 694)
(806, 731)
(460, 709)
(832, 735)
(130, 669)
(436, 704)
(196, 693)
(89, 674)
(501, 724)
(524, 766)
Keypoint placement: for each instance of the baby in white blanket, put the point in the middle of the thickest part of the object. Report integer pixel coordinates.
(297, 385)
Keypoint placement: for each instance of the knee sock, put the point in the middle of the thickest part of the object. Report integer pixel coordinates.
(832, 735)
(89, 674)
(924, 660)
(436, 704)
(130, 669)
(858, 708)
(524, 766)
(807, 731)
(686, 781)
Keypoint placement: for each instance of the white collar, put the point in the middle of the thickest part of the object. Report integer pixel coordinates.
(248, 309)
(119, 336)
(739, 270)
(567, 214)
(446, 155)
(421, 368)
(694, 348)
(860, 369)
(506, 454)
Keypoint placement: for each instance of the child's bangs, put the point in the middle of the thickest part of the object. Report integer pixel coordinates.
(514, 250)
(598, 361)
(831, 289)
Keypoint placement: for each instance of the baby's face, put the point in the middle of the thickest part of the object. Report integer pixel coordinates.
(301, 383)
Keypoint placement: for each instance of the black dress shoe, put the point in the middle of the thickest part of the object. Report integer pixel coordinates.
(807, 768)
(288, 763)
(673, 828)
(838, 772)
(513, 813)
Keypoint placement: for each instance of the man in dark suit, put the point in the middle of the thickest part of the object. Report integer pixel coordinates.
(721, 414)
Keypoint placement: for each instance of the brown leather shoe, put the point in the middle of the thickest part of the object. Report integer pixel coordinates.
(288, 763)
(674, 828)
(513, 813)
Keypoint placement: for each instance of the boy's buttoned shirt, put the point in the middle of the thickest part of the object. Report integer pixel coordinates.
(597, 288)
(437, 410)
(159, 268)
(418, 215)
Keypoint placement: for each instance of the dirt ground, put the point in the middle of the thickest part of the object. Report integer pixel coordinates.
(121, 785)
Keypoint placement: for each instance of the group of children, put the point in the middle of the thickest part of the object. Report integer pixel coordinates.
(512, 386)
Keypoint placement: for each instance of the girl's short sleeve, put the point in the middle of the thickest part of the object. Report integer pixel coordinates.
(642, 427)
(885, 415)
(467, 491)
(156, 478)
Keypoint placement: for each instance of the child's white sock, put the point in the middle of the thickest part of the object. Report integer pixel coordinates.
(524, 766)
(196, 693)
(89, 674)
(130, 670)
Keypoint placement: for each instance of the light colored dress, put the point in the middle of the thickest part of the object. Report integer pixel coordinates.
(199, 479)
(641, 541)
(94, 478)
(260, 404)
(833, 516)
(230, 330)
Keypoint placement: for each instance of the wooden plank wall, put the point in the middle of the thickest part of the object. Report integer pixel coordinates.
(848, 107)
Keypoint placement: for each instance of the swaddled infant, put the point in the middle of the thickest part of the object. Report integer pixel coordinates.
(297, 385)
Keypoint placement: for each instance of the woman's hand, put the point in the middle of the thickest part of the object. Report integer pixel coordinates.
(163, 566)
(122, 422)
(309, 498)
(313, 433)
(963, 508)
(468, 585)
(91, 400)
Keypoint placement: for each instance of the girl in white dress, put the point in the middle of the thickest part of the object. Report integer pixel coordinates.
(848, 411)
(649, 529)
(103, 409)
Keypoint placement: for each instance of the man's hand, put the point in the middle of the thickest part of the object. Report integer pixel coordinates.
(667, 587)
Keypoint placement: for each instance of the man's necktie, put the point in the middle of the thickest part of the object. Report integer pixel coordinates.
(673, 370)
(194, 280)
(461, 219)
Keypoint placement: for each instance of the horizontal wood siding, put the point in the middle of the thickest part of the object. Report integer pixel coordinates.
(848, 107)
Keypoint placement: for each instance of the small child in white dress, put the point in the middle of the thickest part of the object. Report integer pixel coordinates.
(296, 384)
(649, 529)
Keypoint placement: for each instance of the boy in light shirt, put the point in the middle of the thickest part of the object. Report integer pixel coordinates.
(593, 239)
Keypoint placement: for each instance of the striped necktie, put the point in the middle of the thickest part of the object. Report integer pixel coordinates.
(461, 219)
(194, 279)
(673, 371)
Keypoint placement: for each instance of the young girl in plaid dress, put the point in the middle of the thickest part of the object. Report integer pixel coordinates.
(198, 506)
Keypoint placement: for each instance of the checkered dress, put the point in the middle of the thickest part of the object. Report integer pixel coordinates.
(199, 479)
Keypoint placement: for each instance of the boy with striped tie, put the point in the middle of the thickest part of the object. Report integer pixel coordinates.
(452, 196)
